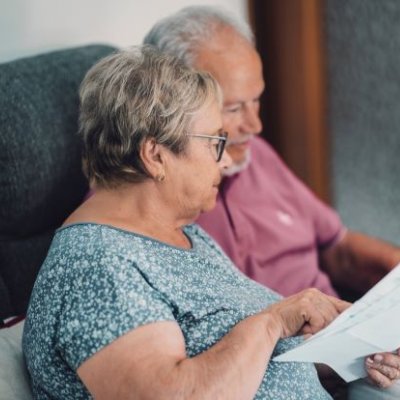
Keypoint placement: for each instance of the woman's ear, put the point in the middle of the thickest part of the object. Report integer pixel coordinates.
(153, 158)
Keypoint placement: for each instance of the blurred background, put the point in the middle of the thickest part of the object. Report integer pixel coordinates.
(332, 69)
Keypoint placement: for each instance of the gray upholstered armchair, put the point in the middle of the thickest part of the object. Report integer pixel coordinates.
(40, 177)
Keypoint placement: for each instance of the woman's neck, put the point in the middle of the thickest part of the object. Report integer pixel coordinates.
(135, 207)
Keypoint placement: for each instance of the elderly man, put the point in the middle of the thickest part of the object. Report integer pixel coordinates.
(273, 228)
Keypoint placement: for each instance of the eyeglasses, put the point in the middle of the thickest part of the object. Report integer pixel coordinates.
(218, 145)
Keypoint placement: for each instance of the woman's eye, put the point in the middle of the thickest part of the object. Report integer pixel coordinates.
(214, 147)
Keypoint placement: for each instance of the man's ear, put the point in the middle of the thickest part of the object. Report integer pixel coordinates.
(153, 158)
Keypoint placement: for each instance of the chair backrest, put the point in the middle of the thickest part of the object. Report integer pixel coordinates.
(41, 180)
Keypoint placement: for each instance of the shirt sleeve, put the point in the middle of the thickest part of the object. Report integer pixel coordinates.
(106, 297)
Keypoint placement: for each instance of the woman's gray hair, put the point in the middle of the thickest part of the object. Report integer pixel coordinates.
(131, 96)
(182, 33)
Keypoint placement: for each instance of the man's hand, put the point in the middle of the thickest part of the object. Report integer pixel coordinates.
(383, 368)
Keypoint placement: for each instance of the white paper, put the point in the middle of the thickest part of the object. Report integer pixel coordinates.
(370, 325)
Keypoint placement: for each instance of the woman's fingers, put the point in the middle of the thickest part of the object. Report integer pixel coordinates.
(308, 312)
(339, 304)
(324, 309)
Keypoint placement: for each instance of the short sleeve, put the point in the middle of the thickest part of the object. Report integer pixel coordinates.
(327, 224)
(105, 297)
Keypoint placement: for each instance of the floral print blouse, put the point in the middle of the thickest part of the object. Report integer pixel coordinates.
(99, 282)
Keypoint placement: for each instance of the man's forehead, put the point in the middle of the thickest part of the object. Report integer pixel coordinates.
(235, 69)
(219, 59)
(224, 41)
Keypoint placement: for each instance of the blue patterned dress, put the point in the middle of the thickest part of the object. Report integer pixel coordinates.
(99, 282)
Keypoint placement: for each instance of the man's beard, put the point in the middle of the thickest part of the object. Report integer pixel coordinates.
(238, 167)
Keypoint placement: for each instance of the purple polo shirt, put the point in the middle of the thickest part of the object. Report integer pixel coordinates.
(272, 226)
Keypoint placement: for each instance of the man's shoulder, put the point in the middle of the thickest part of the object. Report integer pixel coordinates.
(265, 160)
(262, 151)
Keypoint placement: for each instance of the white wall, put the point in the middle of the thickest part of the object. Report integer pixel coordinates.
(32, 26)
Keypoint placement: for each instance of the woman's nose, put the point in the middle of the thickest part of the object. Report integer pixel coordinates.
(226, 160)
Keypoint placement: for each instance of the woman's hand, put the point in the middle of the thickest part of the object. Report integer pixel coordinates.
(383, 368)
(306, 312)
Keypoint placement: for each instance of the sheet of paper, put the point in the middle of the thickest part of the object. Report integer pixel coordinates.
(370, 325)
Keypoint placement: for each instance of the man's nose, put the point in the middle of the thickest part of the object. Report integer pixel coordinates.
(251, 119)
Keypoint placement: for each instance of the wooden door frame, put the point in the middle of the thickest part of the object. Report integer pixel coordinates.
(289, 36)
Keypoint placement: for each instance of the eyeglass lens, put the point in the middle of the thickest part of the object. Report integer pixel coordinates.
(221, 147)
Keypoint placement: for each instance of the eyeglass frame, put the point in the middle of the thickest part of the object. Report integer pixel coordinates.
(222, 139)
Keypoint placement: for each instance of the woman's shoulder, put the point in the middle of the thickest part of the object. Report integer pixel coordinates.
(89, 229)
(88, 241)
(95, 231)
(86, 234)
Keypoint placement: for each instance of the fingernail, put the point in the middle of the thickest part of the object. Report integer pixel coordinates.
(369, 360)
(378, 358)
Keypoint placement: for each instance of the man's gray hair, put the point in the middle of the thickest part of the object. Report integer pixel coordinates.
(131, 96)
(180, 34)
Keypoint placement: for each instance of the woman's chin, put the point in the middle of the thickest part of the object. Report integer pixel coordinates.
(210, 204)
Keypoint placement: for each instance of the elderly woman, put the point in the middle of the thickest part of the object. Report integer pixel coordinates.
(134, 302)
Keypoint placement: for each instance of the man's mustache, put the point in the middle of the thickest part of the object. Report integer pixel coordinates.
(241, 140)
